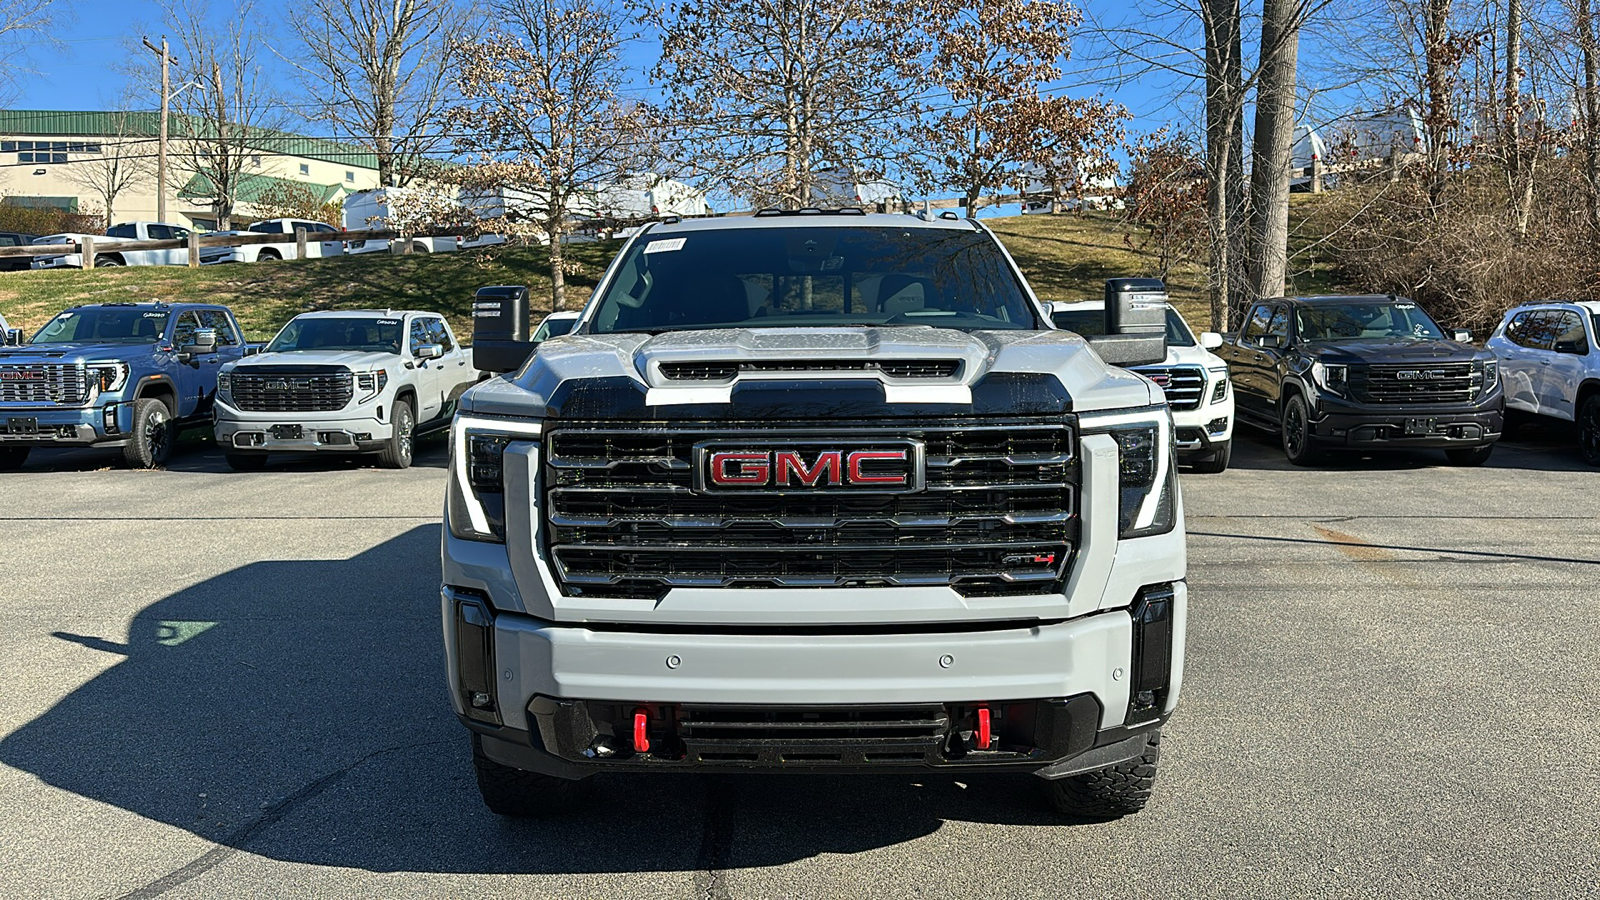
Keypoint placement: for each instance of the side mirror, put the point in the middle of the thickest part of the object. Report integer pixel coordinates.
(1136, 322)
(1575, 347)
(1462, 335)
(13, 337)
(1270, 342)
(204, 341)
(251, 349)
(1210, 340)
(430, 351)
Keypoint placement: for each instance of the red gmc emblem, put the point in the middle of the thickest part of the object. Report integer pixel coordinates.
(1162, 379)
(20, 375)
(875, 468)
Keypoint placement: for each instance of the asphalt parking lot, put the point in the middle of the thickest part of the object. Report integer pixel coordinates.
(215, 684)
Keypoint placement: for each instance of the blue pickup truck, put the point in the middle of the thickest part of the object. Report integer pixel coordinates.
(115, 375)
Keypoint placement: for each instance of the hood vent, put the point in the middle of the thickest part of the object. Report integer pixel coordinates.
(894, 368)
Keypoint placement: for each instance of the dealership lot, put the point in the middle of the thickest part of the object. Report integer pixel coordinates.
(210, 680)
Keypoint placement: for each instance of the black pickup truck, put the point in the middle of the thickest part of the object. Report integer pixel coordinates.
(1363, 372)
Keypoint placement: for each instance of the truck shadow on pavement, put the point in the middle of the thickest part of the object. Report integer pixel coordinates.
(297, 710)
(201, 455)
(1537, 447)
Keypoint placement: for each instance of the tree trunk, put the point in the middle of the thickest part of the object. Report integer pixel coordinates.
(1591, 109)
(1440, 65)
(1224, 195)
(558, 274)
(1274, 141)
(1519, 160)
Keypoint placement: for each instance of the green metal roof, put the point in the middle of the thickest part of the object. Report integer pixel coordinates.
(110, 123)
(253, 187)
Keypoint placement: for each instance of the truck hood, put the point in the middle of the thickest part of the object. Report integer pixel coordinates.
(1394, 352)
(75, 352)
(356, 360)
(997, 373)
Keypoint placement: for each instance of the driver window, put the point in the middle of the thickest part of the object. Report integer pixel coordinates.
(1570, 334)
(1259, 318)
(1279, 325)
(217, 320)
(438, 334)
(419, 335)
(183, 331)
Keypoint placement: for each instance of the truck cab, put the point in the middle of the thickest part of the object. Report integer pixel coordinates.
(107, 254)
(356, 381)
(122, 376)
(817, 491)
(1371, 372)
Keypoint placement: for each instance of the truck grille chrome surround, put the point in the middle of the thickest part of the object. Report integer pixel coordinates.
(997, 514)
(1419, 383)
(57, 384)
(1183, 385)
(894, 368)
(292, 388)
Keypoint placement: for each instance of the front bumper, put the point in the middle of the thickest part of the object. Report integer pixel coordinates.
(100, 425)
(348, 430)
(1337, 421)
(566, 698)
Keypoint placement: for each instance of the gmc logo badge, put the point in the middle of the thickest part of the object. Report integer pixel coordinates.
(21, 375)
(888, 467)
(1421, 374)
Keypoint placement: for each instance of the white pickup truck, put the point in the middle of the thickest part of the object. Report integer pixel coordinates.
(322, 240)
(106, 252)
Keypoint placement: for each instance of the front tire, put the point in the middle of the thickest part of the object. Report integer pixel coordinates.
(1298, 444)
(1112, 792)
(419, 247)
(106, 262)
(1469, 456)
(245, 461)
(1217, 461)
(397, 453)
(268, 256)
(519, 794)
(150, 442)
(1589, 430)
(12, 458)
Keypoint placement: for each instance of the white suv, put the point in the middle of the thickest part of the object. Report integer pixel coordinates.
(1194, 379)
(1550, 367)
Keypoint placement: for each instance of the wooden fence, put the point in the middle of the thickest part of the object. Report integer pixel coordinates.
(91, 246)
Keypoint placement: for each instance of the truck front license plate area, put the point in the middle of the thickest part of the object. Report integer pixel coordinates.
(1421, 426)
(287, 432)
(28, 425)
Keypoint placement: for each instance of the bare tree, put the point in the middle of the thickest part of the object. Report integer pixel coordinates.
(23, 25)
(1166, 200)
(1274, 142)
(125, 159)
(762, 95)
(999, 128)
(378, 73)
(544, 117)
(230, 113)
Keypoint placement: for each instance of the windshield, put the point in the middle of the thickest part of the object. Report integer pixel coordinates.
(1366, 321)
(104, 325)
(1092, 322)
(367, 335)
(814, 277)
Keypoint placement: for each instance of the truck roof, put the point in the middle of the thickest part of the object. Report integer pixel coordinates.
(151, 304)
(1330, 299)
(812, 218)
(346, 313)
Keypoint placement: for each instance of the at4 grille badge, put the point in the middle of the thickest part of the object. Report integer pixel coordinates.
(890, 467)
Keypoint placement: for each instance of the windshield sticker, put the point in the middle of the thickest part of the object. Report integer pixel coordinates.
(664, 246)
(388, 321)
(1405, 306)
(155, 315)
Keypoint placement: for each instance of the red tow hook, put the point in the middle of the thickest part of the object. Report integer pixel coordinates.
(983, 728)
(641, 740)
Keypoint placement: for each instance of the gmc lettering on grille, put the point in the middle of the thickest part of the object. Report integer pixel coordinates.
(871, 469)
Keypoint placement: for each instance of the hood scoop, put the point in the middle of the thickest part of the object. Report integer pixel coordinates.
(727, 370)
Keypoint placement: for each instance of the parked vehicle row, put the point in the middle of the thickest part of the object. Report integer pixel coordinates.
(1550, 366)
(131, 376)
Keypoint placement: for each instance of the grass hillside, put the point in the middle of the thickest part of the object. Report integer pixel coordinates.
(1065, 257)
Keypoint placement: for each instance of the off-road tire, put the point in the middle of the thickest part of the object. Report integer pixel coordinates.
(1112, 792)
(13, 458)
(245, 460)
(1299, 446)
(1217, 461)
(397, 453)
(1589, 430)
(516, 793)
(1469, 456)
(151, 437)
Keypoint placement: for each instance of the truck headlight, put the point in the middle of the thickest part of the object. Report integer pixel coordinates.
(475, 504)
(225, 383)
(109, 376)
(1334, 378)
(372, 383)
(1488, 373)
(1147, 477)
(1219, 392)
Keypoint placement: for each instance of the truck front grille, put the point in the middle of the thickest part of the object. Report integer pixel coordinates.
(997, 514)
(292, 388)
(1414, 384)
(894, 368)
(60, 384)
(1185, 386)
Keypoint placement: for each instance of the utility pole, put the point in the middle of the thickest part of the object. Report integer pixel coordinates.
(161, 161)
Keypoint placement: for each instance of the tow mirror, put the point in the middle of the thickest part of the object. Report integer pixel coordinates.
(1136, 322)
(430, 351)
(1462, 335)
(204, 341)
(501, 337)
(1210, 340)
